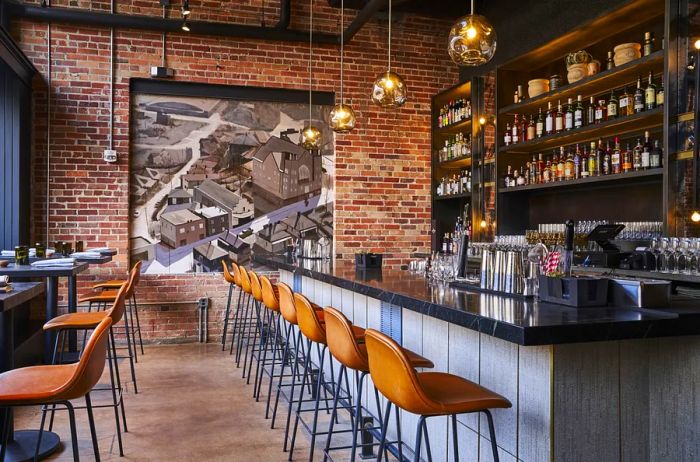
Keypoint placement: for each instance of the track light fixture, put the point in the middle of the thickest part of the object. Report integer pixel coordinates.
(186, 8)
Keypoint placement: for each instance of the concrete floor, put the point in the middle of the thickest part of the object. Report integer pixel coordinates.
(192, 405)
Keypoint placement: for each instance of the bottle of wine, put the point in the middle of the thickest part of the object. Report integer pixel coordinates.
(531, 129)
(646, 152)
(515, 130)
(585, 159)
(616, 158)
(637, 156)
(606, 162)
(561, 164)
(549, 120)
(660, 94)
(508, 137)
(650, 94)
(626, 104)
(639, 97)
(539, 126)
(569, 116)
(612, 106)
(657, 155)
(578, 113)
(559, 119)
(577, 163)
(648, 43)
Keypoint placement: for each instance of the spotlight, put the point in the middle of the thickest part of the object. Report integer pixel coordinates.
(185, 25)
(186, 8)
(695, 216)
(483, 224)
(697, 44)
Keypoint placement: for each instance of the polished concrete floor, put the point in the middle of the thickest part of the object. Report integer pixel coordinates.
(192, 405)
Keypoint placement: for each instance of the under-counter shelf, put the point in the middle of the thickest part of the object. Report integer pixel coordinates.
(596, 84)
(615, 127)
(606, 180)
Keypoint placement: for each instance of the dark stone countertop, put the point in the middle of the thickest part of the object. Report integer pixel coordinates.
(511, 319)
(21, 293)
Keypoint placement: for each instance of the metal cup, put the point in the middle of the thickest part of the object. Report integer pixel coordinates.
(486, 269)
(499, 267)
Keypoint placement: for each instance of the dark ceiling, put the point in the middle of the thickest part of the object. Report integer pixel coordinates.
(446, 9)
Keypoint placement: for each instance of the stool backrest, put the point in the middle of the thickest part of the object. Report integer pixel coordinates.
(228, 277)
(137, 275)
(119, 305)
(236, 273)
(309, 323)
(341, 340)
(91, 365)
(245, 280)
(255, 287)
(287, 304)
(268, 294)
(392, 373)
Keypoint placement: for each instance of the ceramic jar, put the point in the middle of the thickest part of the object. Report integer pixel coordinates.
(576, 72)
(536, 87)
(627, 52)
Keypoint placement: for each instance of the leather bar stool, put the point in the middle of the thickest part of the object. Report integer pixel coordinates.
(246, 328)
(90, 320)
(105, 299)
(274, 344)
(351, 353)
(233, 279)
(133, 308)
(58, 385)
(426, 394)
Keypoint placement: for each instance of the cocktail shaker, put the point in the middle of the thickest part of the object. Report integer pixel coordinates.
(486, 269)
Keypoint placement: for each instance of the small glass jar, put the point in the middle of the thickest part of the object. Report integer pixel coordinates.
(21, 255)
(554, 82)
(58, 247)
(79, 246)
(67, 248)
(40, 250)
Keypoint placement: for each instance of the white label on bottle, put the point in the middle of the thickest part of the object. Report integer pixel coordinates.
(559, 123)
(612, 110)
(646, 162)
(623, 102)
(548, 126)
(569, 123)
(615, 159)
(578, 118)
(598, 114)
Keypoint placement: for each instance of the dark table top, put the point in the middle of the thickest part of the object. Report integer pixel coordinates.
(21, 293)
(515, 320)
(29, 271)
(104, 258)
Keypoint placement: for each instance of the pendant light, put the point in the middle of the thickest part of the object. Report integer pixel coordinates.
(310, 135)
(472, 40)
(389, 89)
(342, 117)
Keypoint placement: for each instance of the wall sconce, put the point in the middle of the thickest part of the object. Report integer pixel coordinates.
(487, 119)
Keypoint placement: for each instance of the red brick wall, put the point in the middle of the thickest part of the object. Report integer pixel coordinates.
(382, 168)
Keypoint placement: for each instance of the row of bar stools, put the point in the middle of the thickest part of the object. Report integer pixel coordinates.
(58, 385)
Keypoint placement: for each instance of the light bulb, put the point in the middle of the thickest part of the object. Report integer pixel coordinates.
(389, 90)
(471, 33)
(310, 138)
(482, 120)
(483, 224)
(472, 41)
(697, 44)
(695, 216)
(342, 118)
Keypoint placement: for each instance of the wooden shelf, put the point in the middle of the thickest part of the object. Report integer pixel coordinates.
(607, 180)
(452, 197)
(454, 128)
(634, 123)
(457, 162)
(602, 82)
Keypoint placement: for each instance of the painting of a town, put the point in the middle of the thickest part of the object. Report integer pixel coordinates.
(216, 179)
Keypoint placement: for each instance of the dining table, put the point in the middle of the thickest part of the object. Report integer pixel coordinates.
(21, 443)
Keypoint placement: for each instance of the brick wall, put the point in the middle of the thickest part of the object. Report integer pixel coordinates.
(382, 168)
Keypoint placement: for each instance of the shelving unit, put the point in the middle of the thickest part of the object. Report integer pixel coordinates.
(606, 180)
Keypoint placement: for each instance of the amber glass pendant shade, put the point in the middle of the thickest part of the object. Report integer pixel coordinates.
(310, 138)
(342, 118)
(472, 41)
(389, 90)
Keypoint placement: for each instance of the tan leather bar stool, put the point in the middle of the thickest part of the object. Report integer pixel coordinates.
(247, 328)
(233, 278)
(351, 353)
(58, 385)
(90, 320)
(274, 344)
(427, 394)
(262, 331)
(132, 306)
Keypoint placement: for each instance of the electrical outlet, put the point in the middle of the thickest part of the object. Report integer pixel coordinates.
(109, 155)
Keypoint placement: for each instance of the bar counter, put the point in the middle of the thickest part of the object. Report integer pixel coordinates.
(610, 384)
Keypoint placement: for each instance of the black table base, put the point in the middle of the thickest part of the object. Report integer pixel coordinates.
(22, 448)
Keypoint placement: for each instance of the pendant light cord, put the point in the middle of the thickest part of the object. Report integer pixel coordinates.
(389, 69)
(472, 7)
(342, 47)
(311, 36)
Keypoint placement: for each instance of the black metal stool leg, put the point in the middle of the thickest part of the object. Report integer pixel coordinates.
(258, 332)
(285, 351)
(265, 335)
(117, 376)
(492, 432)
(73, 431)
(455, 443)
(285, 360)
(243, 332)
(226, 316)
(320, 384)
(131, 330)
(427, 440)
(358, 416)
(334, 413)
(93, 433)
(236, 322)
(138, 321)
(132, 352)
(398, 432)
(419, 434)
(5, 432)
(385, 426)
(115, 400)
(307, 363)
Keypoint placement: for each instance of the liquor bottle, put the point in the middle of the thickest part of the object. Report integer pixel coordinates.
(539, 126)
(555, 167)
(507, 178)
(611, 62)
(559, 119)
(515, 130)
(627, 159)
(637, 156)
(606, 163)
(646, 151)
(569, 166)
(612, 106)
(577, 163)
(519, 179)
(626, 104)
(639, 97)
(616, 158)
(569, 116)
(593, 166)
(660, 95)
(534, 172)
(578, 113)
(590, 118)
(648, 43)
(656, 157)
(600, 111)
(516, 97)
(531, 129)
(585, 159)
(546, 174)
(549, 120)
(540, 167)
(650, 94)
(561, 164)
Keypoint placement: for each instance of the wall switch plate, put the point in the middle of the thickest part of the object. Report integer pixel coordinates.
(109, 155)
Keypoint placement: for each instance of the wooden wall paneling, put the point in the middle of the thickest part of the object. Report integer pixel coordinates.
(534, 403)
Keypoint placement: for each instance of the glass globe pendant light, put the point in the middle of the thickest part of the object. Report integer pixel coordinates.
(342, 117)
(310, 136)
(472, 40)
(389, 89)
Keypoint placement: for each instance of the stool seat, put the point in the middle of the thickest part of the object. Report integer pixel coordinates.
(80, 320)
(414, 358)
(451, 394)
(36, 384)
(106, 296)
(113, 284)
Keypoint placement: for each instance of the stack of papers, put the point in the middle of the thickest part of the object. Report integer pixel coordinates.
(11, 253)
(100, 249)
(84, 255)
(63, 262)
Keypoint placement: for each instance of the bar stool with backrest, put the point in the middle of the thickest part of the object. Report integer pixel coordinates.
(274, 343)
(58, 385)
(351, 353)
(233, 280)
(247, 327)
(133, 308)
(427, 394)
(89, 320)
(262, 330)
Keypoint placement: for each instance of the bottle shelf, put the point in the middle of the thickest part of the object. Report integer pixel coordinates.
(601, 82)
(452, 197)
(618, 179)
(633, 123)
(457, 162)
(454, 128)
